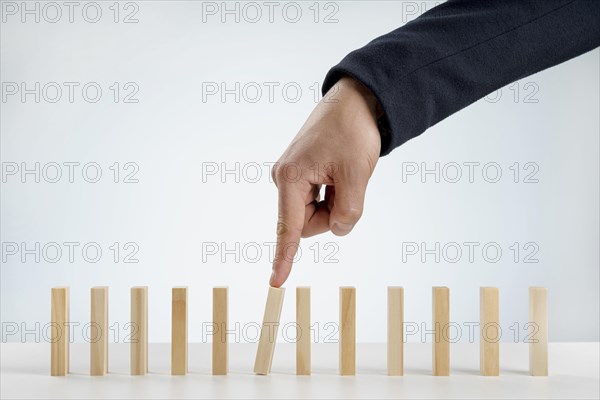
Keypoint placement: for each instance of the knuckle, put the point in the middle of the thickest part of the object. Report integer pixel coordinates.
(288, 172)
(349, 214)
(284, 227)
(274, 173)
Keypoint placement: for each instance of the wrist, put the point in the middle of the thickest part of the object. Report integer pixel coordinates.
(358, 89)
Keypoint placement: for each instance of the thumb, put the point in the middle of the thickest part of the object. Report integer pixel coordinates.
(348, 205)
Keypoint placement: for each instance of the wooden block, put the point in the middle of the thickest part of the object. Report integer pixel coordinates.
(220, 345)
(139, 330)
(303, 331)
(489, 331)
(538, 317)
(99, 331)
(268, 332)
(347, 331)
(441, 325)
(59, 336)
(179, 331)
(395, 351)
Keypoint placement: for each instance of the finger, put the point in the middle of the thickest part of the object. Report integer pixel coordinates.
(289, 229)
(330, 196)
(348, 201)
(316, 219)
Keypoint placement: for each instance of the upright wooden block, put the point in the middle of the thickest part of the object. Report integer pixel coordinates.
(347, 331)
(395, 351)
(268, 332)
(59, 336)
(220, 353)
(538, 346)
(99, 331)
(489, 331)
(303, 331)
(139, 330)
(441, 325)
(179, 331)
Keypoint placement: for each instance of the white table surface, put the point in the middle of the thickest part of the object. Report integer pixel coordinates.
(574, 373)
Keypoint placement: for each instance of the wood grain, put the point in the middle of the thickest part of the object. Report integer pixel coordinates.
(303, 356)
(59, 336)
(179, 330)
(441, 324)
(347, 330)
(268, 332)
(99, 335)
(139, 330)
(538, 318)
(489, 331)
(220, 345)
(395, 349)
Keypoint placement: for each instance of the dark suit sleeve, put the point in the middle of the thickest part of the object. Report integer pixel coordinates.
(459, 52)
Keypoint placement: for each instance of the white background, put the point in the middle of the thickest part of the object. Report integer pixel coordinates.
(173, 212)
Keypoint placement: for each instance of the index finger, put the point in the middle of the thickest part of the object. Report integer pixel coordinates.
(290, 222)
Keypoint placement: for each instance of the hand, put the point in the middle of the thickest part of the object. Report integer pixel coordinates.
(338, 146)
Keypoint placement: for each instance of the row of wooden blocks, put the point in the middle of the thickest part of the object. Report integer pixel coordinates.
(489, 317)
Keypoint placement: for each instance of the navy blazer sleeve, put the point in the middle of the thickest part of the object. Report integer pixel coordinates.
(460, 51)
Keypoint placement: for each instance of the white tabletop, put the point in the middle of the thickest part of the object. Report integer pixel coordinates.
(574, 373)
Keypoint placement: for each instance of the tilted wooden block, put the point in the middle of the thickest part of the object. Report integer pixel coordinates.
(303, 331)
(441, 325)
(538, 317)
(268, 332)
(395, 350)
(139, 330)
(220, 356)
(99, 335)
(59, 339)
(179, 331)
(489, 331)
(347, 331)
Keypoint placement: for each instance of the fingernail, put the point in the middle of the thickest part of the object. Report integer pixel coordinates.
(273, 277)
(341, 229)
